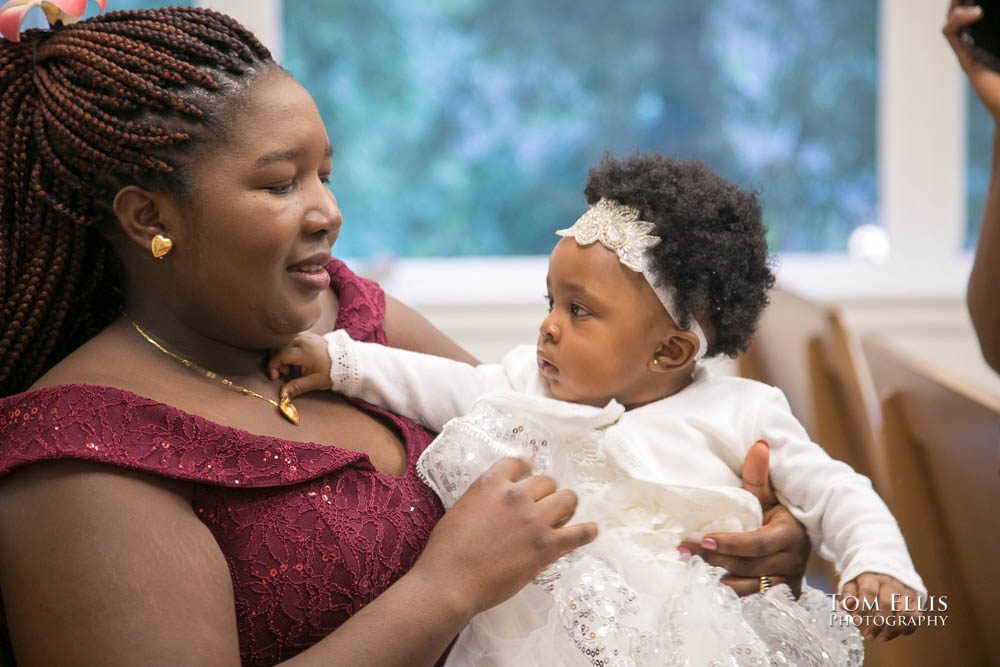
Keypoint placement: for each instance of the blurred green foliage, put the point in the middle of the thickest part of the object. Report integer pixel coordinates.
(466, 127)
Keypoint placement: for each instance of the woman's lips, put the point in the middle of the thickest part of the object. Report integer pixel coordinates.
(309, 271)
(310, 276)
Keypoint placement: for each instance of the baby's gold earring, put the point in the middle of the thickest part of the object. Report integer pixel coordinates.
(160, 246)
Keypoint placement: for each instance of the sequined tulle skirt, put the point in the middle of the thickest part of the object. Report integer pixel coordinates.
(628, 599)
(591, 617)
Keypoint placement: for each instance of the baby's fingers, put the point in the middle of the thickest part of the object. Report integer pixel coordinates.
(303, 385)
(849, 596)
(281, 361)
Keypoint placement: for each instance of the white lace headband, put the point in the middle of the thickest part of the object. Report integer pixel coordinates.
(618, 228)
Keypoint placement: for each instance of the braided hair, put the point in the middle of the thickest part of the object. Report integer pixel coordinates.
(86, 109)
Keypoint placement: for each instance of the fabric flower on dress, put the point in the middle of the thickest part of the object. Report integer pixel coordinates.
(618, 228)
(12, 13)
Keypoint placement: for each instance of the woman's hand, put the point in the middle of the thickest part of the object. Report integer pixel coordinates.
(985, 80)
(779, 549)
(500, 535)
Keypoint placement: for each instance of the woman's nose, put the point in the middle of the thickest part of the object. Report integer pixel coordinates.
(324, 215)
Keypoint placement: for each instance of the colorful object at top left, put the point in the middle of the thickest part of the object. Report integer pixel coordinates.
(12, 13)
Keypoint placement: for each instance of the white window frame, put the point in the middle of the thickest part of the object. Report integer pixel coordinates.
(921, 157)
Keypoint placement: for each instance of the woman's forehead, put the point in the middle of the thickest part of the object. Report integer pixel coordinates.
(278, 116)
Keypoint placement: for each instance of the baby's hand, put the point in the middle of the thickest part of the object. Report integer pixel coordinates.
(896, 604)
(308, 352)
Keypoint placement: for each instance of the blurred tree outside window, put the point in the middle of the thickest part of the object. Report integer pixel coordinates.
(466, 127)
(980, 145)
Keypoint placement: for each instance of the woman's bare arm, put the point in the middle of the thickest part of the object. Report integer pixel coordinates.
(984, 281)
(101, 566)
(409, 330)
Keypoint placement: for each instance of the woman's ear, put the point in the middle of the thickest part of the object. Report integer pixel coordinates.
(678, 349)
(142, 215)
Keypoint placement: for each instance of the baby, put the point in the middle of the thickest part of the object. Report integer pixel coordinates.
(667, 266)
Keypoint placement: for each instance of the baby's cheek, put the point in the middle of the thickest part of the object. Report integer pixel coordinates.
(558, 390)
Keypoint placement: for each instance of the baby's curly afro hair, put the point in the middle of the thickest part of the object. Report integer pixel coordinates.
(713, 250)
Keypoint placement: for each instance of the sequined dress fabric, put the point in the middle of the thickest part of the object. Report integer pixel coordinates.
(627, 599)
(311, 532)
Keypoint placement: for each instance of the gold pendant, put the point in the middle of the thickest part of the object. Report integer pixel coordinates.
(287, 409)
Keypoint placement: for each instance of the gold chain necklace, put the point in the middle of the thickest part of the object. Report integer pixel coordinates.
(284, 406)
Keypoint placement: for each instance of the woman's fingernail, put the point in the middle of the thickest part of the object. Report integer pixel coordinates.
(684, 551)
(709, 544)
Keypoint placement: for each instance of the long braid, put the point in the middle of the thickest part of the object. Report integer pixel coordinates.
(86, 109)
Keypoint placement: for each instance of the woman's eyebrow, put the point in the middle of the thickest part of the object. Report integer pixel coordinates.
(287, 155)
(279, 155)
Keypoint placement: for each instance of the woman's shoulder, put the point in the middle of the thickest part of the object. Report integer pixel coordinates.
(362, 303)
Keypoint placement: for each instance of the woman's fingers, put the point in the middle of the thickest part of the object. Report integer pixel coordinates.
(573, 537)
(781, 533)
(513, 470)
(749, 585)
(960, 17)
(557, 508)
(754, 475)
(777, 564)
(537, 486)
(506, 528)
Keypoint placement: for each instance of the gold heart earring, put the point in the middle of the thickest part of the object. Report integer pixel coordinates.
(160, 246)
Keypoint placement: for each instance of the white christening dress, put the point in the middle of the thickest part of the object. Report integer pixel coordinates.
(650, 478)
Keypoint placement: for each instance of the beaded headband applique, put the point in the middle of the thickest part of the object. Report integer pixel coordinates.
(618, 228)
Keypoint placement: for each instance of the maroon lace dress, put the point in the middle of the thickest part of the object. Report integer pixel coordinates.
(311, 532)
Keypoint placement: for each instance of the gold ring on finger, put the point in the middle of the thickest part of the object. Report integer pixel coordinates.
(765, 584)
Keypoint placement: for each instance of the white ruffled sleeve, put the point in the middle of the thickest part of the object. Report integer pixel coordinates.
(848, 523)
(423, 387)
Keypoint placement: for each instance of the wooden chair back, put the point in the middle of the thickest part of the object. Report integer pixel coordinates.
(807, 351)
(941, 442)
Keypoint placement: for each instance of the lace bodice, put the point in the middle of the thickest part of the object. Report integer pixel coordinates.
(310, 532)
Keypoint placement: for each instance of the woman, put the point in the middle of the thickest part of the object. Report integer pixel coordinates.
(166, 223)
(984, 281)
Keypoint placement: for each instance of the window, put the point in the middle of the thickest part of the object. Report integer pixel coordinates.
(467, 128)
(980, 151)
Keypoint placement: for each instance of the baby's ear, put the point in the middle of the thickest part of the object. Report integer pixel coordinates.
(677, 350)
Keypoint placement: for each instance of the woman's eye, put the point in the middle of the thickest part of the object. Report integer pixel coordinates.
(548, 300)
(577, 310)
(281, 188)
